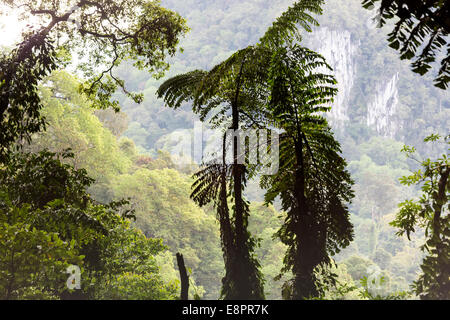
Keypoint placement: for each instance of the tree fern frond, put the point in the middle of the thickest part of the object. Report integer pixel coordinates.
(181, 88)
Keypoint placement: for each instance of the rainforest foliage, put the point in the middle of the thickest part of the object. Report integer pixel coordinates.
(87, 178)
(420, 33)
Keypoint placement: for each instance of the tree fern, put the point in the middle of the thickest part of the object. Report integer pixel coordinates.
(241, 88)
(312, 183)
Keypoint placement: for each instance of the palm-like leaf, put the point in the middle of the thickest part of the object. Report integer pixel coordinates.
(243, 85)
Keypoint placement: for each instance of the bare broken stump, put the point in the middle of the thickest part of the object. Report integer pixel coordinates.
(183, 277)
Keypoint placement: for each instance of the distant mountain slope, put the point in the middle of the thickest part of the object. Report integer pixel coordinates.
(378, 92)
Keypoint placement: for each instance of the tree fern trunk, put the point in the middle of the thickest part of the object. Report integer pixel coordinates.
(304, 281)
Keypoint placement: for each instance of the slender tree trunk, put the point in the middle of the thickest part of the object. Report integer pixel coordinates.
(304, 281)
(237, 169)
(242, 277)
(243, 272)
(440, 200)
(226, 232)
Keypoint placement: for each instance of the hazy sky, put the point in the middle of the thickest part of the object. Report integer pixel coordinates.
(10, 27)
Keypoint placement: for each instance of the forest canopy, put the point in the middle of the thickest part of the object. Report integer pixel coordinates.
(95, 204)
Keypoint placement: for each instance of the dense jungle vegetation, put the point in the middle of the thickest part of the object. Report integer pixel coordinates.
(96, 97)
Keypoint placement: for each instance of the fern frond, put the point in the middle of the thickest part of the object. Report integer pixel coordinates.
(181, 88)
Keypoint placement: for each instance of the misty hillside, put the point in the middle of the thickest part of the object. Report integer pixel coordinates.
(357, 210)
